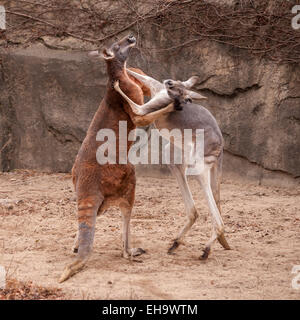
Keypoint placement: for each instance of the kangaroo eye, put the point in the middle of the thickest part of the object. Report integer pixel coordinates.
(169, 83)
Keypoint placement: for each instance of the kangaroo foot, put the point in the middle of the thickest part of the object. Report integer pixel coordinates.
(206, 252)
(174, 246)
(134, 252)
(222, 240)
(71, 269)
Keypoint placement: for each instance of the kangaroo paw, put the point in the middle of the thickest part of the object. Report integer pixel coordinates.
(116, 85)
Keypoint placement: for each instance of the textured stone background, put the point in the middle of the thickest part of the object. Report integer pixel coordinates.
(48, 98)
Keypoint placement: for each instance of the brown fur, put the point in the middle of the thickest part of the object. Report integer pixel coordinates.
(114, 182)
(145, 89)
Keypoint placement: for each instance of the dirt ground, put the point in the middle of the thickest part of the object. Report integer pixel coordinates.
(38, 226)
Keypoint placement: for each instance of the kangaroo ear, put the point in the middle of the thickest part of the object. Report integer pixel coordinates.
(190, 82)
(195, 95)
(107, 54)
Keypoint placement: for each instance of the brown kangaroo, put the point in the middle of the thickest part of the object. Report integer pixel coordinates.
(101, 186)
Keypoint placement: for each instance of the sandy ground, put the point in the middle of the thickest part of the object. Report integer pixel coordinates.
(38, 226)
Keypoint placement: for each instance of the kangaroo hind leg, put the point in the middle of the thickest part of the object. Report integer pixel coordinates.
(218, 226)
(88, 206)
(128, 252)
(215, 186)
(179, 172)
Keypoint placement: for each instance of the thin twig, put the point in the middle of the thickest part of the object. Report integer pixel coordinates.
(51, 25)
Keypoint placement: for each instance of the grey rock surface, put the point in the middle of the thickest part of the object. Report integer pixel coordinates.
(48, 98)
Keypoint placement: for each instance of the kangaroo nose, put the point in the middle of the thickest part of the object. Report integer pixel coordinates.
(169, 82)
(131, 39)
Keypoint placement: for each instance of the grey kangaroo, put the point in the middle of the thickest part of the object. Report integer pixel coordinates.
(192, 116)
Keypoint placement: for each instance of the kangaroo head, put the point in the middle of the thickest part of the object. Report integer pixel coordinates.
(180, 93)
(117, 54)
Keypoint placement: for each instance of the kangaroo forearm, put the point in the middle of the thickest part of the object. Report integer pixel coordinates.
(152, 116)
(154, 105)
